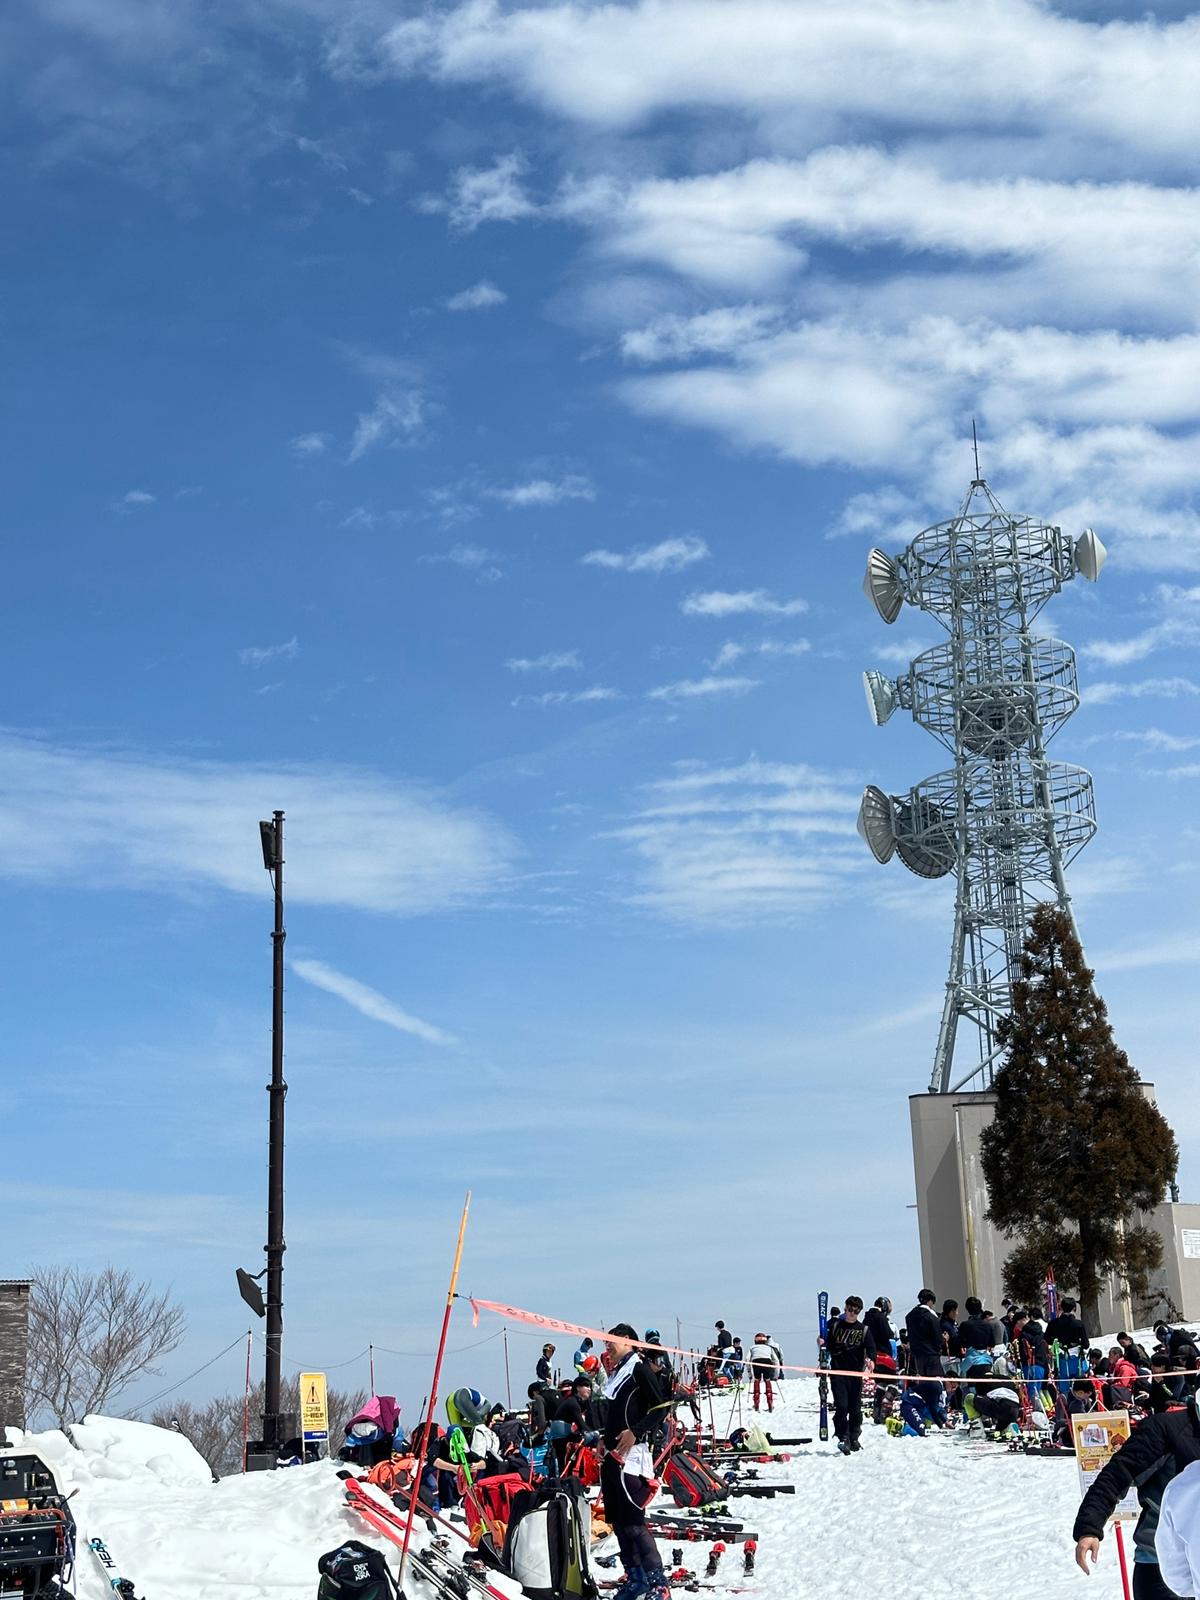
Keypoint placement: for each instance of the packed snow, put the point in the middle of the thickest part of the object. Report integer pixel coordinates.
(931, 1517)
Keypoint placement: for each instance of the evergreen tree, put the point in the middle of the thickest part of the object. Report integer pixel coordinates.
(1075, 1148)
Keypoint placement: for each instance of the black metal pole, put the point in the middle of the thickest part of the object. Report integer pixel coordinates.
(277, 1089)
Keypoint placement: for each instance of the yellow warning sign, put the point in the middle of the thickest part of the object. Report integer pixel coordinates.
(314, 1406)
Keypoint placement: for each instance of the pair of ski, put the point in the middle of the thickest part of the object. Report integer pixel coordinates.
(431, 1564)
(119, 1585)
(824, 1362)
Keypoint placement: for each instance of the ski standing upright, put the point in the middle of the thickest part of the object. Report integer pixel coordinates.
(823, 1361)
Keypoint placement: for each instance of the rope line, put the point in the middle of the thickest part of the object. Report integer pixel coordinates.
(127, 1416)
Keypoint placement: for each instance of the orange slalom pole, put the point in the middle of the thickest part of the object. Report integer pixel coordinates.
(419, 1463)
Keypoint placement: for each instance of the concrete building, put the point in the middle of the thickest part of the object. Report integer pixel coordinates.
(962, 1253)
(14, 1350)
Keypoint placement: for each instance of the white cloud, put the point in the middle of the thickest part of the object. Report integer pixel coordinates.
(732, 651)
(1179, 624)
(1099, 694)
(669, 555)
(1048, 76)
(740, 603)
(133, 498)
(401, 409)
(473, 558)
(718, 332)
(899, 652)
(552, 661)
(1063, 413)
(366, 1000)
(1119, 244)
(485, 194)
(307, 445)
(702, 688)
(1181, 949)
(255, 655)
(879, 513)
(744, 844)
(396, 418)
(1152, 738)
(356, 839)
(544, 492)
(479, 297)
(596, 695)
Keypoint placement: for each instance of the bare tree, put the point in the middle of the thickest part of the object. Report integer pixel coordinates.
(217, 1429)
(90, 1335)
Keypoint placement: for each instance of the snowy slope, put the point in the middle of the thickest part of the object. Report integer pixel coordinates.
(905, 1517)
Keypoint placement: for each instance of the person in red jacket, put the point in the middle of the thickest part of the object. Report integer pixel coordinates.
(1121, 1376)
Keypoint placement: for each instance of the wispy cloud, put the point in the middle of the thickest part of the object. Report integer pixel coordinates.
(1178, 624)
(544, 492)
(669, 555)
(1099, 694)
(307, 445)
(1151, 738)
(1179, 949)
(702, 688)
(732, 651)
(395, 418)
(99, 819)
(476, 559)
(740, 603)
(484, 194)
(552, 661)
(369, 1002)
(255, 655)
(401, 410)
(132, 499)
(480, 296)
(899, 652)
(596, 695)
(746, 843)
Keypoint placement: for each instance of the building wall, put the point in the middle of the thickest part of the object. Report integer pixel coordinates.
(962, 1253)
(14, 1348)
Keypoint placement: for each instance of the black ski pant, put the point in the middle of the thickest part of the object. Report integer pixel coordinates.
(1148, 1582)
(627, 1519)
(847, 1407)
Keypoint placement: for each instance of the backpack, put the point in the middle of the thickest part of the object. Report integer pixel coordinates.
(354, 1572)
(547, 1545)
(690, 1481)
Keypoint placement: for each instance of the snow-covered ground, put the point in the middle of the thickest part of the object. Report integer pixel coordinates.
(905, 1517)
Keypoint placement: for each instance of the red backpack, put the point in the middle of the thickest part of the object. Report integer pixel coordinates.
(690, 1481)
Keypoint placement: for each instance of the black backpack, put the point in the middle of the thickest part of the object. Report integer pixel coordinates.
(354, 1572)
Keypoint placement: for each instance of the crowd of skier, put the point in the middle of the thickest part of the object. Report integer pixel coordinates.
(607, 1418)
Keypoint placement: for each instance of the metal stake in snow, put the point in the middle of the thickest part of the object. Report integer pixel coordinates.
(419, 1462)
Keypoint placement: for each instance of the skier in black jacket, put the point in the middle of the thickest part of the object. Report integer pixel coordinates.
(635, 1405)
(925, 1344)
(1157, 1449)
(850, 1346)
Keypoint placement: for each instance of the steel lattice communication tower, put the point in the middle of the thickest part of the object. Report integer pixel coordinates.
(1004, 819)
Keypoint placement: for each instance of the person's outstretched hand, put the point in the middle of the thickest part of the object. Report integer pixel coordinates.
(1086, 1549)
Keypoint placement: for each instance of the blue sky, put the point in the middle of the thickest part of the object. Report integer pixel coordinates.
(463, 427)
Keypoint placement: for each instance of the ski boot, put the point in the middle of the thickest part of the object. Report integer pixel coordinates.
(658, 1585)
(634, 1586)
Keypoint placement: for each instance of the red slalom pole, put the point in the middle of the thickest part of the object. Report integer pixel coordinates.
(246, 1403)
(1123, 1561)
(419, 1463)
